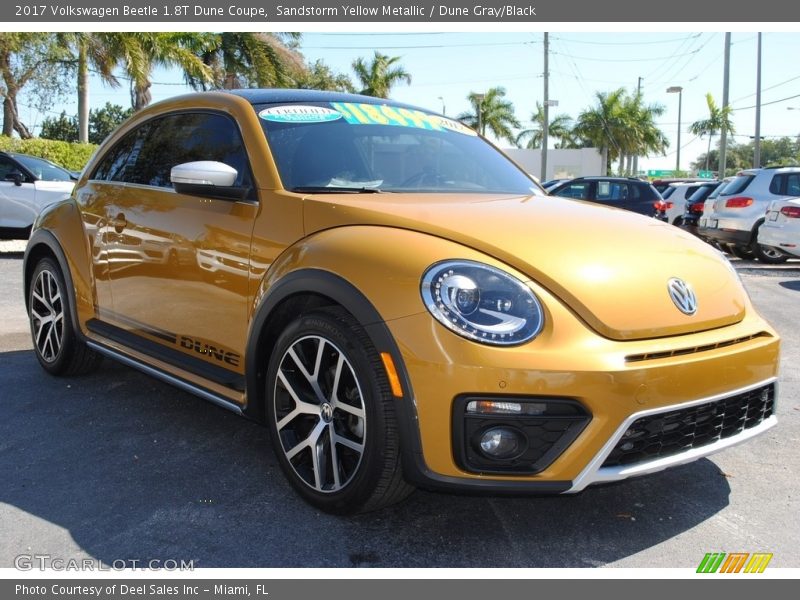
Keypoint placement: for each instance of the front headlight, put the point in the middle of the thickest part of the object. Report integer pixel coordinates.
(481, 303)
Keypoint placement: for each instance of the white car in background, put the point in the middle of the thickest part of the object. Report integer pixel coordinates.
(781, 228)
(27, 185)
(676, 196)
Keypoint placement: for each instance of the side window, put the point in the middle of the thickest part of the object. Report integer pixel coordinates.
(611, 191)
(793, 184)
(119, 162)
(6, 168)
(776, 184)
(579, 191)
(634, 191)
(186, 137)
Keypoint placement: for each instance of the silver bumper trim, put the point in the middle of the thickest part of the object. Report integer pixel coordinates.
(596, 473)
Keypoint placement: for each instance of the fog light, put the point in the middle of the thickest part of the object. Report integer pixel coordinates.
(502, 442)
(491, 407)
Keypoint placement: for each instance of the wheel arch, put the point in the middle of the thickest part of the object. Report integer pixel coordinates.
(43, 244)
(297, 292)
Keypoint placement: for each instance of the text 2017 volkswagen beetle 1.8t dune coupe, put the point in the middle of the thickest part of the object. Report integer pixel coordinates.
(396, 300)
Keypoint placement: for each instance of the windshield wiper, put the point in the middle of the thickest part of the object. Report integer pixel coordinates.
(334, 189)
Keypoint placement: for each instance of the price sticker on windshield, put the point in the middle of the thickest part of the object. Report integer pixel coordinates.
(384, 114)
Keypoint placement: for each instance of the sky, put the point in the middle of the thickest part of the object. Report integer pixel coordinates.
(446, 66)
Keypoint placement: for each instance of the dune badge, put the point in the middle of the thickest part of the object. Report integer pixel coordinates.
(682, 295)
(734, 562)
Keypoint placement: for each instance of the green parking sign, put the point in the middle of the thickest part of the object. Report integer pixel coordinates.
(706, 174)
(660, 173)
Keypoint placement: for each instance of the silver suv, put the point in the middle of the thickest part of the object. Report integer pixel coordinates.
(737, 213)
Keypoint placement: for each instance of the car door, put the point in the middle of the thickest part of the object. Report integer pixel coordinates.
(180, 287)
(17, 202)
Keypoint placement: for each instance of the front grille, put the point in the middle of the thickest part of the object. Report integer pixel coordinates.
(693, 349)
(676, 431)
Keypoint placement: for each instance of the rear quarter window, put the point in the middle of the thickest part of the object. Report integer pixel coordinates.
(737, 185)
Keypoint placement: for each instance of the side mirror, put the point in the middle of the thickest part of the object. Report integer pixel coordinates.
(15, 176)
(207, 178)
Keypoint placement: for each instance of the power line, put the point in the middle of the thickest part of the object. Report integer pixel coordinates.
(592, 58)
(421, 47)
(671, 40)
(768, 103)
(772, 87)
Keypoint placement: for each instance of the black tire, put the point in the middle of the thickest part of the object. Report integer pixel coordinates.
(57, 347)
(742, 252)
(350, 480)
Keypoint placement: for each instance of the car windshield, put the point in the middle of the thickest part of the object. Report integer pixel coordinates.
(668, 192)
(368, 148)
(44, 170)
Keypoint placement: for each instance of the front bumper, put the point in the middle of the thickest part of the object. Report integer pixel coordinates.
(570, 362)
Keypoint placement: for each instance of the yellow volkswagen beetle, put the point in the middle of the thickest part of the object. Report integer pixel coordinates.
(396, 300)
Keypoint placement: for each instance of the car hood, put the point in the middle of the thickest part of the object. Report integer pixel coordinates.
(610, 266)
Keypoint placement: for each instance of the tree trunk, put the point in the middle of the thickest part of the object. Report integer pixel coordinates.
(8, 117)
(83, 94)
(708, 154)
(141, 95)
(11, 122)
(604, 160)
(629, 166)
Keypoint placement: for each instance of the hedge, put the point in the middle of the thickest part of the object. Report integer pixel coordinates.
(72, 156)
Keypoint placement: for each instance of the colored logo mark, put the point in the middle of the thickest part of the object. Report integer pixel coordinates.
(734, 562)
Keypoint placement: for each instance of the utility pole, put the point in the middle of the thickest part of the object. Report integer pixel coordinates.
(723, 141)
(636, 157)
(545, 109)
(757, 143)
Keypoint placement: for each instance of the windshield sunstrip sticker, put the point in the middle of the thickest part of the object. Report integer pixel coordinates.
(383, 114)
(299, 113)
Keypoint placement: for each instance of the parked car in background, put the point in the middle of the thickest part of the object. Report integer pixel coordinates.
(739, 210)
(27, 185)
(781, 228)
(695, 208)
(619, 192)
(662, 184)
(366, 273)
(549, 185)
(673, 206)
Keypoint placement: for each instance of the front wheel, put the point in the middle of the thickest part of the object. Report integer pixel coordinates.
(331, 415)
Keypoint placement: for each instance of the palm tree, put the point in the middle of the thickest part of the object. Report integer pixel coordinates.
(90, 51)
(379, 76)
(560, 128)
(139, 53)
(490, 111)
(640, 136)
(246, 59)
(719, 119)
(603, 125)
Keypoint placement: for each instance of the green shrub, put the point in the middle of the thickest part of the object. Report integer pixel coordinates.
(71, 156)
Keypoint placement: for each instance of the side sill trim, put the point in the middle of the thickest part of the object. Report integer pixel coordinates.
(596, 473)
(166, 377)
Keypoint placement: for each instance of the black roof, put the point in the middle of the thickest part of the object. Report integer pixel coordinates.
(601, 177)
(276, 96)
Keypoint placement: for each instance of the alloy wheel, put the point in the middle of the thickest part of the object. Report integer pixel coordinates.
(319, 414)
(47, 316)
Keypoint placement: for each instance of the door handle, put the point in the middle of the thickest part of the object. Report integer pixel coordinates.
(119, 223)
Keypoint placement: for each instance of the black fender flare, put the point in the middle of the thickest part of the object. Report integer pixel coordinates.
(43, 237)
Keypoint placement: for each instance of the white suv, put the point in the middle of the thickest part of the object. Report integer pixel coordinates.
(738, 212)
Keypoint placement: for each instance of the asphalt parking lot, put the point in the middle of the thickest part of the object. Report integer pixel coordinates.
(119, 466)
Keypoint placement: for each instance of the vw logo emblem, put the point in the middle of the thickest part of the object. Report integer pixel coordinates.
(682, 295)
(326, 411)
